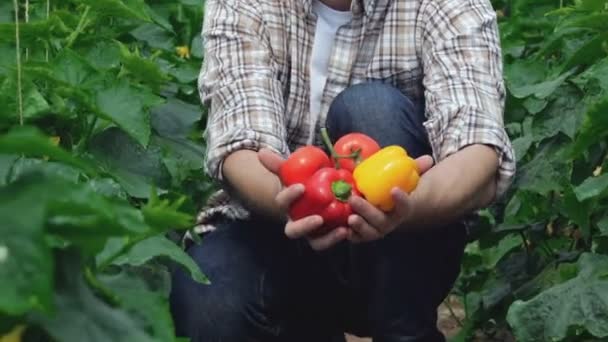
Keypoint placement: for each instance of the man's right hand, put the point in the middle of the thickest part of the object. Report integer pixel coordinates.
(306, 227)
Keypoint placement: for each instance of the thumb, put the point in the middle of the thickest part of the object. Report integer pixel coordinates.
(270, 160)
(424, 163)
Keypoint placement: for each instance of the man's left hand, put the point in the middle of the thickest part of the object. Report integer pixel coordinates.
(370, 223)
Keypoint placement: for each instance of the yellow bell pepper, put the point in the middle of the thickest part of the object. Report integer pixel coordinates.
(386, 169)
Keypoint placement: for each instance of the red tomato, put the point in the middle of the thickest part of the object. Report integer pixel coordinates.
(351, 143)
(302, 164)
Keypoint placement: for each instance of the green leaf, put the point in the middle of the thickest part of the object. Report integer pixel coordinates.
(72, 68)
(603, 226)
(550, 276)
(594, 128)
(81, 316)
(491, 256)
(174, 122)
(577, 211)
(155, 36)
(581, 302)
(26, 263)
(135, 168)
(596, 75)
(592, 187)
(540, 176)
(127, 9)
(31, 142)
(161, 247)
(521, 146)
(164, 216)
(598, 21)
(540, 90)
(122, 103)
(7, 161)
(105, 55)
(135, 296)
(142, 68)
(34, 104)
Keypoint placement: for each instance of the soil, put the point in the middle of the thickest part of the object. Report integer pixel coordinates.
(449, 323)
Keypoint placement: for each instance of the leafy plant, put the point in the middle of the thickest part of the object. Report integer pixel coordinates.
(536, 262)
(100, 164)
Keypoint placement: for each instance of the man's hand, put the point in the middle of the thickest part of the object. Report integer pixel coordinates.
(307, 227)
(463, 182)
(370, 223)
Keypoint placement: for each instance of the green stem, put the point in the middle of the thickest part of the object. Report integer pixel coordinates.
(48, 14)
(341, 190)
(27, 20)
(330, 146)
(18, 56)
(130, 243)
(356, 155)
(97, 285)
(82, 23)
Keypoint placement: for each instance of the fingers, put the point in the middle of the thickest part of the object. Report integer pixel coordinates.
(403, 205)
(361, 230)
(270, 160)
(303, 227)
(325, 241)
(288, 195)
(368, 212)
(424, 163)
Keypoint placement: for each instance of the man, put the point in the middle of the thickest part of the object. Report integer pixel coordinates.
(423, 74)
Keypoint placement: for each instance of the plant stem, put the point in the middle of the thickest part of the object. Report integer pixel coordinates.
(330, 146)
(334, 155)
(48, 14)
(18, 57)
(27, 20)
(82, 23)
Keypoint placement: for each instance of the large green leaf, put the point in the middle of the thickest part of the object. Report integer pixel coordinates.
(72, 68)
(155, 36)
(123, 104)
(34, 104)
(137, 169)
(135, 296)
(580, 303)
(174, 122)
(161, 247)
(26, 264)
(491, 256)
(81, 316)
(594, 128)
(592, 187)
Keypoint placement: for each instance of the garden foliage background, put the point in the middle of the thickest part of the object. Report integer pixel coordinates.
(101, 163)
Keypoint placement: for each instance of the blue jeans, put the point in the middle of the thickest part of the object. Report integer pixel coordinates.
(268, 288)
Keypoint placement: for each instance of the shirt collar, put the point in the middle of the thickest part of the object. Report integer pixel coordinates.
(357, 6)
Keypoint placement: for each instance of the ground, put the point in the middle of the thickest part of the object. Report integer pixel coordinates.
(449, 324)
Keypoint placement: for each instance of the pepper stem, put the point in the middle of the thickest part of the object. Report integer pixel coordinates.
(330, 146)
(341, 190)
(355, 155)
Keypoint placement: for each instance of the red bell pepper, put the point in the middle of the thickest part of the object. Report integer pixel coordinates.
(326, 194)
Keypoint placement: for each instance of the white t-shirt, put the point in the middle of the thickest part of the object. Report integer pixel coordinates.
(328, 22)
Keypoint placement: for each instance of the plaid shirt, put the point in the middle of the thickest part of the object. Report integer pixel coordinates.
(255, 77)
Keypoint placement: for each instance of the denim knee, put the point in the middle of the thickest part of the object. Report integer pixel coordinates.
(206, 313)
(382, 112)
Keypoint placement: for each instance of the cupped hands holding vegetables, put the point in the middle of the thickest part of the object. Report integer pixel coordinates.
(359, 192)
